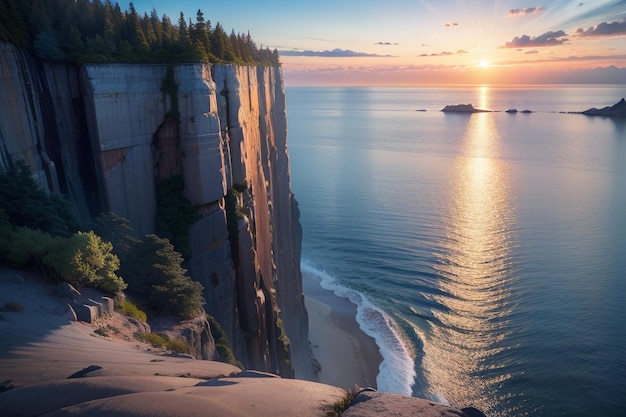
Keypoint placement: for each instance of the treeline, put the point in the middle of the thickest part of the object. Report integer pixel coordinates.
(40, 231)
(94, 31)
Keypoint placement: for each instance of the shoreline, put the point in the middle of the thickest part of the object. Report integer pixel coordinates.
(347, 356)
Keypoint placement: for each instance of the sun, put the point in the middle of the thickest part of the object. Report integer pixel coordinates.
(484, 63)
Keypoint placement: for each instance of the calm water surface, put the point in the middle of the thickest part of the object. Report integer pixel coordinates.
(486, 252)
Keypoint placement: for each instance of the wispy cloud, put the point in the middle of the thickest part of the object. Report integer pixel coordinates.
(597, 12)
(451, 24)
(532, 51)
(547, 39)
(446, 53)
(604, 29)
(386, 43)
(525, 11)
(571, 58)
(335, 53)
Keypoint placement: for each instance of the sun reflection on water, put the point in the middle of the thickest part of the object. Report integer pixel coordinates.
(473, 269)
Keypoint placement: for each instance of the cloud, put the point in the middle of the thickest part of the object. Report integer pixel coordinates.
(547, 39)
(604, 29)
(571, 58)
(335, 53)
(525, 11)
(446, 53)
(451, 24)
(386, 43)
(532, 51)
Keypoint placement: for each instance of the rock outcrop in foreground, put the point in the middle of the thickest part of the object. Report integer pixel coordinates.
(51, 365)
(616, 110)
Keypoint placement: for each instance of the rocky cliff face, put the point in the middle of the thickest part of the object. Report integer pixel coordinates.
(105, 134)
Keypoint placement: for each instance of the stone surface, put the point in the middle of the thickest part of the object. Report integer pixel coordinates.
(370, 404)
(86, 313)
(65, 290)
(112, 135)
(15, 278)
(65, 310)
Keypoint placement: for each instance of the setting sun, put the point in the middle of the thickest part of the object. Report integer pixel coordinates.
(484, 64)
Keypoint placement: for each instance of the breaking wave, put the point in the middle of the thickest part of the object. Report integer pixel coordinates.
(397, 370)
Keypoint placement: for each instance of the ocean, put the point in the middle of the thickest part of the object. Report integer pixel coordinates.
(486, 252)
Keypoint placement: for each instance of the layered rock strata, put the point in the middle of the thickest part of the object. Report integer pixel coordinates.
(105, 135)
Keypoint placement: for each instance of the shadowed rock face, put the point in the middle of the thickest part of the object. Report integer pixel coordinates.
(616, 110)
(104, 134)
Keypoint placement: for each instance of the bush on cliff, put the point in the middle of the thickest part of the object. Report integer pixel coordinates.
(157, 273)
(152, 268)
(82, 259)
(175, 214)
(86, 260)
(222, 346)
(119, 232)
(27, 204)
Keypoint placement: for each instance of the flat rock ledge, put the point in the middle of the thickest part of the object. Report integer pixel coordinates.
(54, 366)
(99, 394)
(370, 404)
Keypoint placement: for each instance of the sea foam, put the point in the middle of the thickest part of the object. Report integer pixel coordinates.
(397, 370)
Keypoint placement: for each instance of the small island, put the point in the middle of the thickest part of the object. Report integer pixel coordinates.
(616, 110)
(463, 108)
(514, 111)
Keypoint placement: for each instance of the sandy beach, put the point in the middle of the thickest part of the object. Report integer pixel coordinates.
(347, 355)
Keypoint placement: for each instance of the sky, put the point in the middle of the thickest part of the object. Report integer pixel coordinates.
(423, 42)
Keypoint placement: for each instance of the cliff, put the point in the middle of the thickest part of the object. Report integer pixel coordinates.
(106, 134)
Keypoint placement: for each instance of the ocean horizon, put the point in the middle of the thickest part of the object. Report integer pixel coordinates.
(485, 252)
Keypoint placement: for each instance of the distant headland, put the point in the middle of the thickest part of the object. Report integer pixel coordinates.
(616, 110)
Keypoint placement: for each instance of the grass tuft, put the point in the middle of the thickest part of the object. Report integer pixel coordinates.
(343, 404)
(162, 340)
(130, 309)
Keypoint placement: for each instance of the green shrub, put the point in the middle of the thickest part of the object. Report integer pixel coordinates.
(85, 259)
(175, 214)
(222, 346)
(27, 204)
(22, 245)
(130, 309)
(158, 275)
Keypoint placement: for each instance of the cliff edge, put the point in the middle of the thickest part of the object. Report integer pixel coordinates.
(107, 134)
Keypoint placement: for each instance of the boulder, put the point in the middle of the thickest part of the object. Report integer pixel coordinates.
(65, 310)
(65, 290)
(98, 305)
(86, 313)
(108, 305)
(371, 404)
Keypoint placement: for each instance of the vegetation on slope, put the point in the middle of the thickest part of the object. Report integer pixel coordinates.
(41, 231)
(99, 31)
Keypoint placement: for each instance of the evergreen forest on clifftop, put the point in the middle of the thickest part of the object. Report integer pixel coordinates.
(95, 31)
